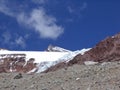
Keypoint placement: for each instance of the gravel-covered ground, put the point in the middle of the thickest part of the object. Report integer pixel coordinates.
(104, 76)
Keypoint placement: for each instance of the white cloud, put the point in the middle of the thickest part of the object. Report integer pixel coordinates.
(37, 20)
(42, 23)
(10, 40)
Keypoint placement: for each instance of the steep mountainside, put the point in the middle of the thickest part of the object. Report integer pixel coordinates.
(105, 51)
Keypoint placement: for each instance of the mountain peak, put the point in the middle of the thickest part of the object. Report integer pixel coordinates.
(52, 48)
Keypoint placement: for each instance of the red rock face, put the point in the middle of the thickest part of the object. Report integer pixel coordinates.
(14, 63)
(106, 50)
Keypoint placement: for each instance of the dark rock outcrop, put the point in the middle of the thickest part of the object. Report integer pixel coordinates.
(19, 76)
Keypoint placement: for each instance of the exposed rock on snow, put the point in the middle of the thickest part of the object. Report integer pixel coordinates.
(52, 48)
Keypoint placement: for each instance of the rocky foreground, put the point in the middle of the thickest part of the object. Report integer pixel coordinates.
(104, 76)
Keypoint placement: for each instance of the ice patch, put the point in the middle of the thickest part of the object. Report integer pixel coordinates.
(90, 63)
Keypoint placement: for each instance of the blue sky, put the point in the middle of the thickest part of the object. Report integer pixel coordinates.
(71, 24)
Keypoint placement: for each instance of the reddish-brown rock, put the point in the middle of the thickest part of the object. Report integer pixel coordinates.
(104, 51)
(14, 63)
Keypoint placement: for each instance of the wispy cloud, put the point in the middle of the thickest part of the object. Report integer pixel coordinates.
(84, 6)
(12, 40)
(6, 37)
(20, 42)
(37, 19)
(4, 9)
(76, 11)
(39, 1)
(70, 9)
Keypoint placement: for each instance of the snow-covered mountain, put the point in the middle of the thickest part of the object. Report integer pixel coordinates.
(35, 61)
(54, 57)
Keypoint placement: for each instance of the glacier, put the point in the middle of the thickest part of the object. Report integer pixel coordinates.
(44, 59)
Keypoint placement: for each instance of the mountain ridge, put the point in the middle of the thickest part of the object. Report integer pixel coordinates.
(35, 61)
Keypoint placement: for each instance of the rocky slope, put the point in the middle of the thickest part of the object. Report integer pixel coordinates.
(105, 76)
